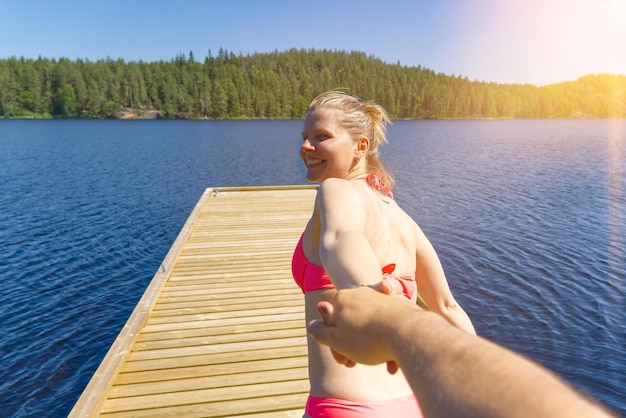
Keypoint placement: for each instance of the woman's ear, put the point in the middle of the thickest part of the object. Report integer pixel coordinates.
(362, 146)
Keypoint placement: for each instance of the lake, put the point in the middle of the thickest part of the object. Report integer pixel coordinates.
(528, 218)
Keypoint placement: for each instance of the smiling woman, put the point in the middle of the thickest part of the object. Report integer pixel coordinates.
(357, 234)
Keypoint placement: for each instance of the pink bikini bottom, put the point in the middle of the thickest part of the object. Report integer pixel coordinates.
(407, 406)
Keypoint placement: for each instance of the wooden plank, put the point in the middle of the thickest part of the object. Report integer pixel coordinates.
(204, 370)
(218, 339)
(278, 406)
(220, 394)
(219, 323)
(231, 330)
(220, 331)
(218, 348)
(215, 358)
(168, 384)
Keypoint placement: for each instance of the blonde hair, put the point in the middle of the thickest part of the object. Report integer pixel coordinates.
(361, 119)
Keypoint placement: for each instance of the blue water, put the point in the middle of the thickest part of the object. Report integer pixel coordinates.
(528, 218)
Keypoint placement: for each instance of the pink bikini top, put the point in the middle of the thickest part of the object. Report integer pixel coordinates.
(312, 277)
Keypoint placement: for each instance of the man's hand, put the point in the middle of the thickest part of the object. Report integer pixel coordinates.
(351, 324)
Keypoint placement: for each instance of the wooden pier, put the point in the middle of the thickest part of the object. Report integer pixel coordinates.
(220, 330)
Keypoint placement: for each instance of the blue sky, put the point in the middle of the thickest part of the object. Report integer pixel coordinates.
(504, 41)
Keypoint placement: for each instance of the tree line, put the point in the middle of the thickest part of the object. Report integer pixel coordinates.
(280, 85)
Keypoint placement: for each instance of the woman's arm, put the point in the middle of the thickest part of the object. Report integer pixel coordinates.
(350, 261)
(345, 252)
(433, 286)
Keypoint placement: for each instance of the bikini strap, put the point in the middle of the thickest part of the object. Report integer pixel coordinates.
(408, 283)
(376, 182)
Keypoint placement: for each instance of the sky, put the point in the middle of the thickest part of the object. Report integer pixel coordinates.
(504, 41)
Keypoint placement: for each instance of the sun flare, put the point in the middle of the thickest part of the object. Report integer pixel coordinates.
(616, 9)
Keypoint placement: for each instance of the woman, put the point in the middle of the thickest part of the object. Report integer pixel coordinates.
(356, 235)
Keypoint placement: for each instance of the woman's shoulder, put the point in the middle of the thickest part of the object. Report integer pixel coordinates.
(339, 196)
(334, 182)
(340, 188)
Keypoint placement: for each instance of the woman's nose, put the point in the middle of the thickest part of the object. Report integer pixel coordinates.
(306, 145)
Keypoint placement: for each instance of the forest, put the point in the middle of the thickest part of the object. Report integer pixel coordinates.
(279, 85)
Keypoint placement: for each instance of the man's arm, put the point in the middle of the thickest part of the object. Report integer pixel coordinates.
(452, 372)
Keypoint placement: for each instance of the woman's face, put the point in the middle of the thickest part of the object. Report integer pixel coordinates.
(327, 149)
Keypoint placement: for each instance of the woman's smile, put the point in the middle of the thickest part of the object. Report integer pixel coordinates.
(313, 162)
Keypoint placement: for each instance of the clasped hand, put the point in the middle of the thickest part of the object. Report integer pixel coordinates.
(352, 324)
